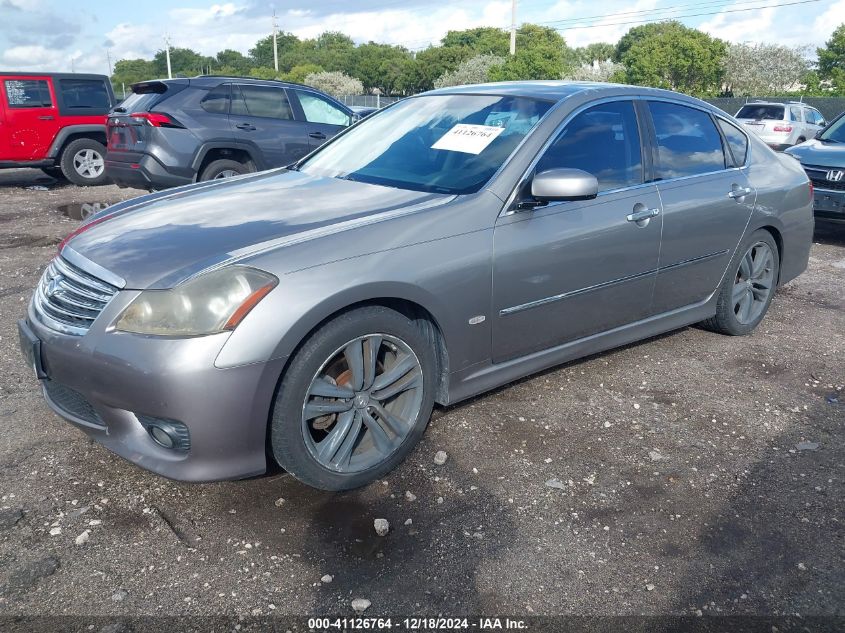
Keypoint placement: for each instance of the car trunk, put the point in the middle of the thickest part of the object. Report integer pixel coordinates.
(131, 123)
(763, 119)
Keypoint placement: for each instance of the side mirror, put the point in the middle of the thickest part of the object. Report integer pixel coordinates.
(564, 184)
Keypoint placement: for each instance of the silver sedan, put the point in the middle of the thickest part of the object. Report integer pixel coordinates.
(443, 246)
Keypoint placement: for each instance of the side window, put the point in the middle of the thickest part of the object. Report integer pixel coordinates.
(795, 113)
(263, 101)
(84, 93)
(217, 100)
(28, 93)
(604, 141)
(688, 142)
(318, 110)
(737, 141)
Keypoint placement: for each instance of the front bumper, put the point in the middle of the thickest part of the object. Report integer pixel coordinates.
(103, 381)
(828, 203)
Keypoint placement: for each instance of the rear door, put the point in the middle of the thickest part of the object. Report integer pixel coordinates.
(707, 202)
(324, 118)
(31, 116)
(262, 116)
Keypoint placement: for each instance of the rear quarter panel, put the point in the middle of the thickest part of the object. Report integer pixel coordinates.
(783, 203)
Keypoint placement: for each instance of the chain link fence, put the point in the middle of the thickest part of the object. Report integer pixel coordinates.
(828, 106)
(368, 101)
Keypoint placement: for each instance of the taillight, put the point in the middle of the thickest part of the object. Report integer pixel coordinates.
(782, 128)
(156, 119)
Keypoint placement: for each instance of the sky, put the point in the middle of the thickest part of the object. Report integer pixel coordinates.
(69, 35)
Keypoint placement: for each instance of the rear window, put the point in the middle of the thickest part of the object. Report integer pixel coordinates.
(85, 93)
(28, 93)
(687, 141)
(139, 102)
(761, 112)
(737, 141)
(217, 100)
(262, 101)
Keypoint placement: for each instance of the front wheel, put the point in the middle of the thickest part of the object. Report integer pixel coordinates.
(355, 399)
(748, 287)
(224, 168)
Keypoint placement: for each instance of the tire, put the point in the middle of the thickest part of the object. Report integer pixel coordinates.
(224, 168)
(83, 162)
(301, 441)
(54, 172)
(748, 287)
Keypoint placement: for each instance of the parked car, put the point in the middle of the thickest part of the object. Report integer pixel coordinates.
(823, 158)
(781, 125)
(55, 122)
(446, 245)
(178, 131)
(363, 111)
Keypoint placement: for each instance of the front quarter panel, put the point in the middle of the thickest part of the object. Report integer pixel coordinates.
(439, 259)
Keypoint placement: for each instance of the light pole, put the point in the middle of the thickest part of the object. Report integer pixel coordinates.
(275, 46)
(513, 27)
(167, 55)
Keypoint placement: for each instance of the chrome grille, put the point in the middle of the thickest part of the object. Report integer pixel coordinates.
(819, 177)
(68, 299)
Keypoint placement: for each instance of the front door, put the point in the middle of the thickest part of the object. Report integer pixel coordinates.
(31, 119)
(707, 202)
(262, 116)
(567, 270)
(324, 118)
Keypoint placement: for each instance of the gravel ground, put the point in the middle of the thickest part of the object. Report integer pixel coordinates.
(688, 473)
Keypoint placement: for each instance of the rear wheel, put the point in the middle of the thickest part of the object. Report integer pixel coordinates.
(83, 162)
(355, 399)
(748, 288)
(224, 168)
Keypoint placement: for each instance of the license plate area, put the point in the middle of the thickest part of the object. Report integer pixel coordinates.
(828, 202)
(31, 349)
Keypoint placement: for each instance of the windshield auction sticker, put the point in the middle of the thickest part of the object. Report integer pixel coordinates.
(469, 139)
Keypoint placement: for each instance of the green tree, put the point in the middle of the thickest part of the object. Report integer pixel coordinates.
(130, 71)
(419, 73)
(380, 66)
(832, 60)
(475, 70)
(541, 53)
(482, 40)
(183, 61)
(670, 55)
(298, 73)
(287, 44)
(234, 62)
(596, 52)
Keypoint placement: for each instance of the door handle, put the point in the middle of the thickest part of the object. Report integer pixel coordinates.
(46, 117)
(645, 214)
(317, 135)
(245, 126)
(739, 192)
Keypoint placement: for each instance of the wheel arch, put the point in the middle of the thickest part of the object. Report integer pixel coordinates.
(225, 149)
(778, 238)
(410, 304)
(72, 133)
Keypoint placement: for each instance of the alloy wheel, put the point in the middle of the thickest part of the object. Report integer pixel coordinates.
(754, 283)
(362, 403)
(226, 173)
(88, 163)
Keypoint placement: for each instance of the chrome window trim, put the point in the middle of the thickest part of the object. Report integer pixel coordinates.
(506, 209)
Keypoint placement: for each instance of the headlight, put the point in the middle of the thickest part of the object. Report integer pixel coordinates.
(207, 304)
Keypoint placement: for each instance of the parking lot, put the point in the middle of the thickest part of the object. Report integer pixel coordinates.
(689, 474)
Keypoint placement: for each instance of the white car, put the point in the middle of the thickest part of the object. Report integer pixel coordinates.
(781, 125)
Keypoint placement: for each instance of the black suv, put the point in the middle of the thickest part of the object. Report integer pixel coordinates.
(176, 131)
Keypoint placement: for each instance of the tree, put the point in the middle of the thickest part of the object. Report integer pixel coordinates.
(130, 71)
(475, 70)
(596, 52)
(379, 66)
(298, 74)
(287, 44)
(418, 74)
(670, 55)
(541, 53)
(481, 40)
(763, 69)
(606, 70)
(183, 61)
(832, 60)
(233, 62)
(335, 83)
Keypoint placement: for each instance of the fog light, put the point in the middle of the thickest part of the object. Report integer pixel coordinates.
(161, 436)
(170, 434)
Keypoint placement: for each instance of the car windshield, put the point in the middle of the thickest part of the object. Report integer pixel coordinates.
(761, 112)
(835, 132)
(449, 144)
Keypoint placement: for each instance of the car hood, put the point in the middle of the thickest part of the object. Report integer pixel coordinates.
(158, 240)
(816, 152)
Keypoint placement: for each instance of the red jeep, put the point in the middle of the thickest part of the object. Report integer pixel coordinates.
(56, 122)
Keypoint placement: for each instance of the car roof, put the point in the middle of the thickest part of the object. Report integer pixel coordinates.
(561, 90)
(18, 73)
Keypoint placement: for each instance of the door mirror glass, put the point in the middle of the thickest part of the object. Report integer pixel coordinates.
(564, 184)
